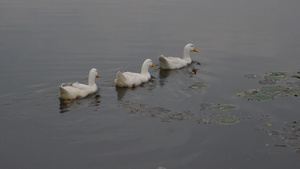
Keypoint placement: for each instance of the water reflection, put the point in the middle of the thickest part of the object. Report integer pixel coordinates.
(189, 71)
(90, 101)
(122, 91)
(289, 134)
(150, 85)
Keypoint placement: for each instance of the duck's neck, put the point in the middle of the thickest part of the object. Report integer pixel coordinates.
(91, 80)
(145, 69)
(186, 55)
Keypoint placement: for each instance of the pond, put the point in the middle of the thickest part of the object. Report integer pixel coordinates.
(235, 106)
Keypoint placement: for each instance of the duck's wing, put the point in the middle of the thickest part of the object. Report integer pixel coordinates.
(131, 75)
(80, 86)
(68, 92)
(127, 79)
(171, 62)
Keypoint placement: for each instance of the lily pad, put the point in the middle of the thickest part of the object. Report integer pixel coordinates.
(273, 77)
(228, 120)
(272, 89)
(224, 107)
(277, 76)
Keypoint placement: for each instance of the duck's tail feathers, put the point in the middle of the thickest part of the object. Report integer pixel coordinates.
(161, 57)
(120, 76)
(62, 90)
(163, 63)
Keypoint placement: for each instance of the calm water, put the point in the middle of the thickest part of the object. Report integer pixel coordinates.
(168, 122)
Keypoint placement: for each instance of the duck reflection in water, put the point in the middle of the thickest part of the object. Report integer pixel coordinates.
(89, 101)
(122, 91)
(189, 71)
(150, 85)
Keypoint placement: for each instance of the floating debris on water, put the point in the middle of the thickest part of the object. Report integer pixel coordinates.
(269, 124)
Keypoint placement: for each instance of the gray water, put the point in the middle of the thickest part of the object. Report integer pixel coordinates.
(168, 122)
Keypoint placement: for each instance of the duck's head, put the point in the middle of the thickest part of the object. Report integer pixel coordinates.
(94, 73)
(149, 63)
(190, 47)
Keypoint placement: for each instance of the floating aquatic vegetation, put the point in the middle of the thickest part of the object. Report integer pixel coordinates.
(252, 76)
(289, 134)
(295, 92)
(162, 113)
(224, 107)
(180, 115)
(273, 77)
(272, 89)
(228, 120)
(269, 92)
(205, 120)
(222, 117)
(288, 81)
(205, 106)
(259, 96)
(211, 106)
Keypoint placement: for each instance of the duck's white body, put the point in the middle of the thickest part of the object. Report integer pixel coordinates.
(77, 90)
(175, 62)
(130, 79)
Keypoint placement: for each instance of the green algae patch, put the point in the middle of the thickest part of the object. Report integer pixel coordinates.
(224, 107)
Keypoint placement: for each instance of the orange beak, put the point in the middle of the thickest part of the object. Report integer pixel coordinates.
(153, 65)
(195, 50)
(98, 76)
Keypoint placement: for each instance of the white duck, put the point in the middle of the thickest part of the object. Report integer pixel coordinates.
(77, 90)
(129, 79)
(175, 62)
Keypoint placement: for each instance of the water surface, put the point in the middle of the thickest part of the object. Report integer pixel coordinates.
(168, 122)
